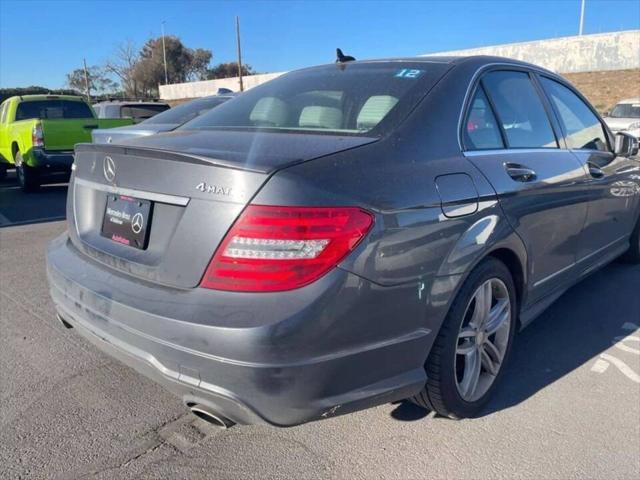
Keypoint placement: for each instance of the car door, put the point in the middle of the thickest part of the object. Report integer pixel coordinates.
(539, 184)
(613, 180)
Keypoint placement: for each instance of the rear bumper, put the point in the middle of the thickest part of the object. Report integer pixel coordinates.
(338, 345)
(50, 161)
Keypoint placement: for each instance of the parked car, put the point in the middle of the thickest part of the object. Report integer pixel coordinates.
(625, 117)
(345, 235)
(38, 132)
(163, 122)
(136, 110)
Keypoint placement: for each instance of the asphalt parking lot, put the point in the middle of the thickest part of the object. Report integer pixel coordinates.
(569, 406)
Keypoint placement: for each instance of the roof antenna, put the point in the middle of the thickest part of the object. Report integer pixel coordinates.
(342, 58)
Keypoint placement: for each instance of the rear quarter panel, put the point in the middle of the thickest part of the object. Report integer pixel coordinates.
(414, 247)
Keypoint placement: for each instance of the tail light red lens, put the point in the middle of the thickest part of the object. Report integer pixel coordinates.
(37, 137)
(272, 248)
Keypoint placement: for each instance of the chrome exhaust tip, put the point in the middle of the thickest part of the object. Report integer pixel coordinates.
(211, 417)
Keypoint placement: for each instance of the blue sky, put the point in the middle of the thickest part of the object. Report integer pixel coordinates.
(40, 41)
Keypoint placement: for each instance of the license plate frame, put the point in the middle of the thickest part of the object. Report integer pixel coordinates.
(127, 220)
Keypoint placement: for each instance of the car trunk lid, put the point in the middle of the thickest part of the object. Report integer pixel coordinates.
(194, 200)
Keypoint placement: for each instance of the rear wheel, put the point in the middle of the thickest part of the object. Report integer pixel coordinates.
(28, 177)
(467, 358)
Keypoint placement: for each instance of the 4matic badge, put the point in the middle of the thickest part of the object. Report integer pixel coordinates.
(214, 189)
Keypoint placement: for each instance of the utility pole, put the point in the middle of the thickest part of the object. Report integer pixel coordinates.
(164, 54)
(582, 17)
(86, 80)
(239, 53)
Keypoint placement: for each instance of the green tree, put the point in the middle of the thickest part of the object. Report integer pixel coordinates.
(228, 70)
(99, 81)
(183, 63)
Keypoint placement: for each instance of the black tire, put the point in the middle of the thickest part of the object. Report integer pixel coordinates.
(28, 177)
(3, 171)
(633, 254)
(441, 393)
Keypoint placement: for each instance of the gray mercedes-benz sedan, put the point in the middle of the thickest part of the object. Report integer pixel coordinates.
(345, 235)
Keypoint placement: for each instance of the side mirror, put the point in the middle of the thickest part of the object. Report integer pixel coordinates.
(626, 145)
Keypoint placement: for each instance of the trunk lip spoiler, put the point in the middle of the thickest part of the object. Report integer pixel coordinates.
(162, 154)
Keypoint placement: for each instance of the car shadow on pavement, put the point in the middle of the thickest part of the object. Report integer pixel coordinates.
(18, 208)
(574, 331)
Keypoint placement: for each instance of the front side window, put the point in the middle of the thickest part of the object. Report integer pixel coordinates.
(519, 109)
(582, 128)
(346, 99)
(481, 129)
(52, 109)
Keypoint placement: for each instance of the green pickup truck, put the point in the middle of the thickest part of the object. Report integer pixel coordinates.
(38, 133)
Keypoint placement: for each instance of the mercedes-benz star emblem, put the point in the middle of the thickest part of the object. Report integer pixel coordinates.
(137, 222)
(109, 169)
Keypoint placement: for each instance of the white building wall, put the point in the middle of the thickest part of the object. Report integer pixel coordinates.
(210, 87)
(586, 53)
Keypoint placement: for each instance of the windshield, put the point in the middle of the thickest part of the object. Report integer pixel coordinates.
(52, 109)
(187, 111)
(142, 111)
(626, 110)
(345, 99)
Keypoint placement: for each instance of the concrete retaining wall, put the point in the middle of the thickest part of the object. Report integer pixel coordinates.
(586, 53)
(210, 87)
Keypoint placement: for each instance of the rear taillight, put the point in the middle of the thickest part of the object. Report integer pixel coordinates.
(37, 137)
(281, 248)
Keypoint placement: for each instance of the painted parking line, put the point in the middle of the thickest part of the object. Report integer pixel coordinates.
(621, 342)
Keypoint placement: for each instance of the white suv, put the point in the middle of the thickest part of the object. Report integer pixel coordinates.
(625, 117)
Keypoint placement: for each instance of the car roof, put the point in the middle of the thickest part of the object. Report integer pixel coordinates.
(129, 102)
(478, 60)
(52, 96)
(630, 100)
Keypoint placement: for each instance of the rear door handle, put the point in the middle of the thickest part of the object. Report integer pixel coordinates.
(520, 173)
(595, 171)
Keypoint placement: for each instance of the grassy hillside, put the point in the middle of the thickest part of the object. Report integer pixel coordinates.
(605, 89)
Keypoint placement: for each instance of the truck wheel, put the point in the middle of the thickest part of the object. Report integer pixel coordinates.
(27, 176)
(467, 359)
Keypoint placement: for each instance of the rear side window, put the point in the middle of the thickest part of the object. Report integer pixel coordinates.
(52, 109)
(519, 109)
(481, 128)
(582, 128)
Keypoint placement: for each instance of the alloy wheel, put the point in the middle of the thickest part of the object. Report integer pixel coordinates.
(483, 339)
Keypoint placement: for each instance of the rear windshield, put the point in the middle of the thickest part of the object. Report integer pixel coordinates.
(142, 111)
(626, 110)
(187, 111)
(52, 109)
(344, 99)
